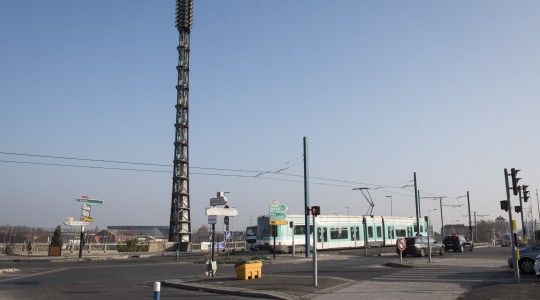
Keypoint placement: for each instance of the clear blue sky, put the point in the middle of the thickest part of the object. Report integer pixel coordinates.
(447, 89)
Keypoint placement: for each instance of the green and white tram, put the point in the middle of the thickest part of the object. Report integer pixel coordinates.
(336, 232)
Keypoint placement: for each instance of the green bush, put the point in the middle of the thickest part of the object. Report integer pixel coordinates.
(132, 246)
(57, 237)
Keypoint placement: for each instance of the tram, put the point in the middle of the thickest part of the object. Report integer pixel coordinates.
(336, 232)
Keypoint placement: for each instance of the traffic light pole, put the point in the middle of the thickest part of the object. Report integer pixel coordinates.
(514, 235)
(314, 252)
(523, 229)
(306, 196)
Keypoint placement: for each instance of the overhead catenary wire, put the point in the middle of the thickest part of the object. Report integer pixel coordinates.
(249, 173)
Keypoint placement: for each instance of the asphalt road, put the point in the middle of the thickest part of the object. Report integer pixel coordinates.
(133, 278)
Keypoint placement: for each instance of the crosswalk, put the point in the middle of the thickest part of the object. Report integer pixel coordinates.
(438, 275)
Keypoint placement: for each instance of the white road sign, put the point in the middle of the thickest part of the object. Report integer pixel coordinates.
(221, 211)
(76, 223)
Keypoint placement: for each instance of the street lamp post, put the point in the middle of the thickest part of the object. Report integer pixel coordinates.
(391, 209)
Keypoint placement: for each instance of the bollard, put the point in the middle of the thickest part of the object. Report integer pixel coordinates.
(157, 288)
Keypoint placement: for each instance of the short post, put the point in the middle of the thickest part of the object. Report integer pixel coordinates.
(157, 288)
(293, 246)
(81, 241)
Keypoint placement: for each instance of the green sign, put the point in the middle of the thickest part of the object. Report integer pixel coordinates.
(277, 211)
(94, 201)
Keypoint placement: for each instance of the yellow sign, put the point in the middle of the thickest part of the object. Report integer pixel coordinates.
(278, 222)
(514, 225)
(86, 219)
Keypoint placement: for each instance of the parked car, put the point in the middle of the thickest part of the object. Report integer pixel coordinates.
(537, 266)
(457, 243)
(527, 258)
(418, 245)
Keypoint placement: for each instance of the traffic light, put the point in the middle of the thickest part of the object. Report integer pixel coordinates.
(504, 205)
(517, 209)
(515, 180)
(315, 210)
(525, 193)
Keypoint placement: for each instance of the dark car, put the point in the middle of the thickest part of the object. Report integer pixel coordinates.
(418, 245)
(457, 243)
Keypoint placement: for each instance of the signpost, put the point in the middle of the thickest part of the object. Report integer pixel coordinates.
(212, 213)
(401, 246)
(277, 217)
(85, 217)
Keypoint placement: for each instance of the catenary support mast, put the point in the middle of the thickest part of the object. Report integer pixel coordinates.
(180, 222)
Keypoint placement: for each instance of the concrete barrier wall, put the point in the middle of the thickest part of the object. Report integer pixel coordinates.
(41, 248)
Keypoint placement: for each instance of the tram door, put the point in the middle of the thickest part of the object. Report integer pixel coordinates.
(355, 236)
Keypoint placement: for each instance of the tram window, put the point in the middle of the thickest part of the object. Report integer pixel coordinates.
(318, 234)
(357, 233)
(352, 233)
(339, 233)
(301, 229)
(370, 232)
(379, 231)
(401, 232)
(409, 229)
(325, 234)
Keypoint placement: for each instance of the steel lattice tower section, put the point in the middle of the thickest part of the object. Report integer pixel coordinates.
(180, 223)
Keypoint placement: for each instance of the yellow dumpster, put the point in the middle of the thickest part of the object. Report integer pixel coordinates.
(248, 270)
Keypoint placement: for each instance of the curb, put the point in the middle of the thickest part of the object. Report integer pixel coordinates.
(228, 291)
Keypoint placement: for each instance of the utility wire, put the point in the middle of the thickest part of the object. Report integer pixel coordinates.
(259, 174)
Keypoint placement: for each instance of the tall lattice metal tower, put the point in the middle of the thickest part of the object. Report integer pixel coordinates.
(180, 223)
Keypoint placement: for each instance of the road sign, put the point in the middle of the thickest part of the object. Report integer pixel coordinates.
(218, 201)
(76, 223)
(228, 234)
(401, 244)
(221, 211)
(212, 219)
(278, 222)
(86, 200)
(277, 211)
(87, 219)
(85, 213)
